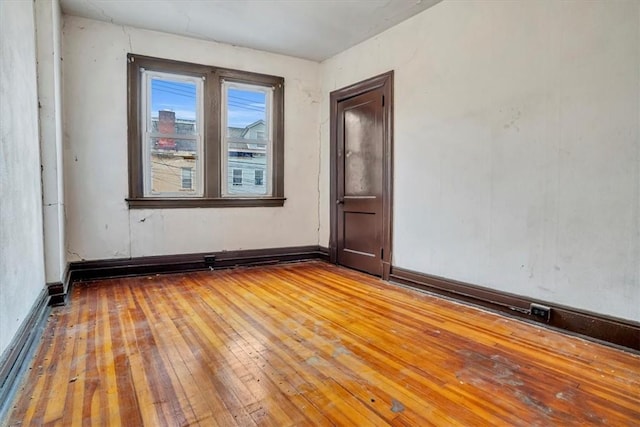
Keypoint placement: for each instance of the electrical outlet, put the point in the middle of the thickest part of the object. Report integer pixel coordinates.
(540, 311)
(209, 260)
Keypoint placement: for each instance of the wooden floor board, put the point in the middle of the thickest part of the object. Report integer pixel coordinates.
(309, 344)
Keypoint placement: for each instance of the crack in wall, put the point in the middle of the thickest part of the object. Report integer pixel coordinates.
(124, 30)
(76, 254)
(100, 11)
(186, 15)
(319, 176)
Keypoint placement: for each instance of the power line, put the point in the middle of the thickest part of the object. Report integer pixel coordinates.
(175, 86)
(157, 89)
(236, 104)
(245, 107)
(244, 99)
(173, 89)
(185, 89)
(170, 166)
(247, 104)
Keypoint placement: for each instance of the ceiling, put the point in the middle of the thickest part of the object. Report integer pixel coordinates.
(310, 29)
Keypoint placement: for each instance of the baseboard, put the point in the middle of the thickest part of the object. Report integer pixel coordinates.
(58, 291)
(611, 330)
(102, 269)
(15, 360)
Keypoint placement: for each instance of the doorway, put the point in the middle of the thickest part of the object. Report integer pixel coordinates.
(361, 175)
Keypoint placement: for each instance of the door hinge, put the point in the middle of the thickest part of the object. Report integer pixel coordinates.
(383, 100)
(381, 253)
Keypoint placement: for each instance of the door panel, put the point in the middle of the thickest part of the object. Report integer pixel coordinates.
(359, 238)
(360, 128)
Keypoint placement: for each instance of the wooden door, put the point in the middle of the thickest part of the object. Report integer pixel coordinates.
(362, 179)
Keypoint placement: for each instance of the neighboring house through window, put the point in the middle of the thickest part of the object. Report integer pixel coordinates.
(187, 178)
(195, 130)
(237, 177)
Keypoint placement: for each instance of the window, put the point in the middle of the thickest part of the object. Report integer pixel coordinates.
(247, 144)
(194, 130)
(187, 178)
(171, 117)
(237, 177)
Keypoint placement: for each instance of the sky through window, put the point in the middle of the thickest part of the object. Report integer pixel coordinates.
(244, 106)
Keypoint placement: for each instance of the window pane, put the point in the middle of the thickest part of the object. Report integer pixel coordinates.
(173, 107)
(237, 176)
(247, 138)
(187, 178)
(241, 165)
(246, 113)
(173, 141)
(172, 170)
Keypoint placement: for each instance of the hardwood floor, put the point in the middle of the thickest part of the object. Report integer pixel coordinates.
(310, 344)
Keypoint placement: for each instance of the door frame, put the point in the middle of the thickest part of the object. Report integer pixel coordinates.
(384, 81)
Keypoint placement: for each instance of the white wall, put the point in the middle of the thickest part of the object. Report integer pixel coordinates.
(100, 225)
(21, 249)
(49, 54)
(517, 146)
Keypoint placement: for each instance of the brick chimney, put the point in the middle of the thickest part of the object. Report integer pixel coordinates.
(167, 124)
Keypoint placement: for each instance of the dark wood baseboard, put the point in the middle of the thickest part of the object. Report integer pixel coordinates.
(606, 329)
(58, 291)
(55, 288)
(15, 360)
(102, 269)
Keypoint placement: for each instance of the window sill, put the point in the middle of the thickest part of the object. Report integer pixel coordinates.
(226, 202)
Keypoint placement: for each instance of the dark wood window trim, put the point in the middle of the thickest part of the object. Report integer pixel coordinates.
(212, 126)
(201, 202)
